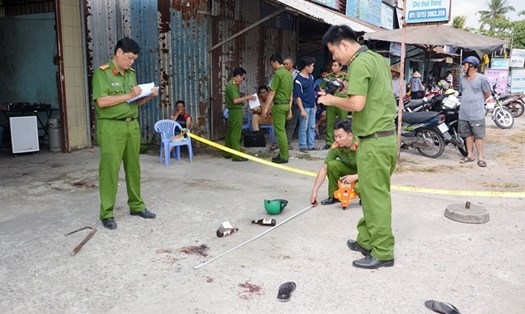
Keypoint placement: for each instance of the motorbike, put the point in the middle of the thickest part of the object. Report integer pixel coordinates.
(424, 131)
(415, 105)
(447, 104)
(500, 114)
(515, 103)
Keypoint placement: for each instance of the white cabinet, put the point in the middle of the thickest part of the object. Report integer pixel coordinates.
(24, 134)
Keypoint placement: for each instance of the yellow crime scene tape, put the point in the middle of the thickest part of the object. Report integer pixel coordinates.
(250, 157)
(393, 187)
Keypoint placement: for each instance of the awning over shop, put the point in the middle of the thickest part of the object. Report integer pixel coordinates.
(326, 15)
(309, 10)
(439, 35)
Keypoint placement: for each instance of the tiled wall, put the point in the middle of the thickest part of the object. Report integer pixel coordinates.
(76, 102)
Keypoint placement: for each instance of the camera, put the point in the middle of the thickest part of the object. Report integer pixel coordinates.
(333, 86)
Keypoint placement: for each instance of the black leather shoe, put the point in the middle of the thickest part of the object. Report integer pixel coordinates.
(370, 262)
(354, 246)
(146, 214)
(109, 223)
(330, 201)
(279, 160)
(326, 146)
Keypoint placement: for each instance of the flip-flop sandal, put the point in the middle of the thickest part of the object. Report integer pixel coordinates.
(285, 291)
(466, 160)
(441, 307)
(482, 163)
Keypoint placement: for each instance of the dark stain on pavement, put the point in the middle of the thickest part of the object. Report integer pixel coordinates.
(250, 290)
(197, 250)
(85, 183)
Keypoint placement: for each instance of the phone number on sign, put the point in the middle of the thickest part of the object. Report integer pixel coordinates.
(424, 14)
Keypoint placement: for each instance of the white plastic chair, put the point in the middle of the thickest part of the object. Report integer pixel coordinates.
(167, 129)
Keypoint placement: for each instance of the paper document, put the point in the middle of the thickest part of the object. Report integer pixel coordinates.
(146, 91)
(254, 103)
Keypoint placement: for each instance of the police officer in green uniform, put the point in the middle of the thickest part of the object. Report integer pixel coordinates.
(340, 163)
(118, 130)
(235, 104)
(332, 112)
(373, 110)
(280, 94)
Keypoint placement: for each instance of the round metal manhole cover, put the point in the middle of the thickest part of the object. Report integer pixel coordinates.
(467, 213)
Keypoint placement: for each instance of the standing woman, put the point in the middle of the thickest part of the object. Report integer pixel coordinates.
(417, 90)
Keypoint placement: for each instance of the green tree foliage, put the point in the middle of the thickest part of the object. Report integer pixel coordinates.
(494, 22)
(518, 34)
(459, 22)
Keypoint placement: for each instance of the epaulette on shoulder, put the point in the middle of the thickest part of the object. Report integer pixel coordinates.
(104, 66)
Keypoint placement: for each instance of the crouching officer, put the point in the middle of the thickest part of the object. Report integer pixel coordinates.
(340, 163)
(118, 130)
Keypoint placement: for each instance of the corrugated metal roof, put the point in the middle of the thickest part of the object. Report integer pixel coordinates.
(326, 15)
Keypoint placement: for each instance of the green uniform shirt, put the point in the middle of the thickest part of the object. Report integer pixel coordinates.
(369, 75)
(282, 85)
(107, 81)
(341, 76)
(344, 154)
(232, 92)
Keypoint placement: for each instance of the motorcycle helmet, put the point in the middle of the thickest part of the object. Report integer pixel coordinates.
(443, 85)
(275, 207)
(472, 60)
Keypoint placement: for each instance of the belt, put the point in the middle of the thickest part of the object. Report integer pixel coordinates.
(377, 135)
(128, 119)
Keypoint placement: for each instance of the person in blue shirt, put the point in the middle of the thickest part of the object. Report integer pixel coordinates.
(304, 96)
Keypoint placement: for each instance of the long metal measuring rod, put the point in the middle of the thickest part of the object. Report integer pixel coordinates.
(254, 238)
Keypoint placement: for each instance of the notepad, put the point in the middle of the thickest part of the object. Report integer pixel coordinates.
(254, 103)
(146, 91)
